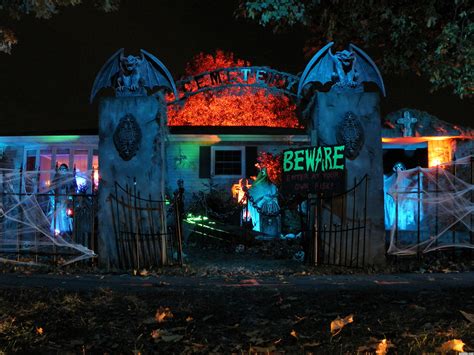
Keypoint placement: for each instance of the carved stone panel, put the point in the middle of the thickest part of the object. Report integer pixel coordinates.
(351, 133)
(127, 137)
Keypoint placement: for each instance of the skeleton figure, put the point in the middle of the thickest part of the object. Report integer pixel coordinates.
(129, 77)
(345, 73)
(62, 188)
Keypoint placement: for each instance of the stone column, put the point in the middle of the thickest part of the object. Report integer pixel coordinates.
(331, 109)
(123, 164)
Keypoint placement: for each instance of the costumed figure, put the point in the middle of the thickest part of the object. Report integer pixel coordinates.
(405, 206)
(263, 205)
(61, 210)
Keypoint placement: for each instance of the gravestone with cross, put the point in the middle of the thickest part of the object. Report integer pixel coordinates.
(406, 122)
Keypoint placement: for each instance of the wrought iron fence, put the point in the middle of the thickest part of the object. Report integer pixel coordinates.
(339, 233)
(436, 225)
(148, 233)
(23, 238)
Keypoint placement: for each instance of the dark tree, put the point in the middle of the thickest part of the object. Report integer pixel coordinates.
(15, 10)
(431, 38)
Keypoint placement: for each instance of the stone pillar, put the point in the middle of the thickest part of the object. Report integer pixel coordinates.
(125, 163)
(331, 109)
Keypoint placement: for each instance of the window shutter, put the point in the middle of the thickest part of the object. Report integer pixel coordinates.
(250, 161)
(204, 162)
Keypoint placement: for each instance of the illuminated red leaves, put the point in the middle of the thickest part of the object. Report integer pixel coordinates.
(233, 106)
(273, 165)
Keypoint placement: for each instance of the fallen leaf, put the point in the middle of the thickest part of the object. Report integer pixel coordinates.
(294, 334)
(339, 323)
(155, 334)
(172, 338)
(189, 319)
(382, 347)
(207, 317)
(468, 316)
(39, 331)
(262, 349)
(450, 345)
(298, 319)
(162, 314)
(311, 344)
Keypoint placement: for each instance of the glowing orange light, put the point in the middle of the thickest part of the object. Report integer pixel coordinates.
(238, 190)
(234, 106)
(440, 151)
(411, 140)
(95, 177)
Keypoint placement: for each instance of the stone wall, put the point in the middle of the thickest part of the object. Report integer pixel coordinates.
(328, 116)
(144, 166)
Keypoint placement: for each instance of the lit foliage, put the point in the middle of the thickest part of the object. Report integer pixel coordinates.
(44, 9)
(235, 106)
(273, 165)
(434, 39)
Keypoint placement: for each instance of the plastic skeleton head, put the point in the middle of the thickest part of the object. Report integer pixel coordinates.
(399, 166)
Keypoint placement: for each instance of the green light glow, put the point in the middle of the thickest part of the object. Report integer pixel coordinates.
(59, 139)
(202, 221)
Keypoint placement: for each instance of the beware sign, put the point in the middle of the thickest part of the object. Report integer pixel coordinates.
(319, 170)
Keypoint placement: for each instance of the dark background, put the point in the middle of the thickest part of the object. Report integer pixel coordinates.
(46, 81)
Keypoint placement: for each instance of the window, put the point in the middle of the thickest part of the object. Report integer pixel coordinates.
(62, 157)
(227, 161)
(39, 166)
(46, 165)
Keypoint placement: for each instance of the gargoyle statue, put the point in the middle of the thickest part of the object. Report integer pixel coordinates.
(345, 74)
(345, 70)
(133, 75)
(129, 77)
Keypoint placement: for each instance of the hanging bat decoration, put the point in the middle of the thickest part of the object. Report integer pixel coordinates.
(345, 70)
(133, 75)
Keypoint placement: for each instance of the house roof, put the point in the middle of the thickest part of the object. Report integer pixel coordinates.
(426, 125)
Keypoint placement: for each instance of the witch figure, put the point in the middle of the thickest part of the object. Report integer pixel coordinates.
(63, 187)
(263, 205)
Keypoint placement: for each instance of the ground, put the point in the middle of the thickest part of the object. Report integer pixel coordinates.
(233, 312)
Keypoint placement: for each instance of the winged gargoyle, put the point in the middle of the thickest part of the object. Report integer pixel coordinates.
(345, 70)
(133, 75)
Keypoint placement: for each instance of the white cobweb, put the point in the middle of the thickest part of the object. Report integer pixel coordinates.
(428, 209)
(46, 216)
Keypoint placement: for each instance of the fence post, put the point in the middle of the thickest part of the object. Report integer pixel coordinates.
(318, 245)
(418, 217)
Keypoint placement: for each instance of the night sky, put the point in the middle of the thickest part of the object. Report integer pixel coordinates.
(47, 79)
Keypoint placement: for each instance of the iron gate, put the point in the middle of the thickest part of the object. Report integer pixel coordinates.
(339, 227)
(147, 232)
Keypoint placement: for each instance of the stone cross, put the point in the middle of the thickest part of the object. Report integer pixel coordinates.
(406, 121)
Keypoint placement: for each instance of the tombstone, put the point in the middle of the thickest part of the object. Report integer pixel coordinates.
(132, 128)
(406, 122)
(348, 114)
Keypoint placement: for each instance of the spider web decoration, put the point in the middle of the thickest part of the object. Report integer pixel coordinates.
(38, 223)
(428, 209)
